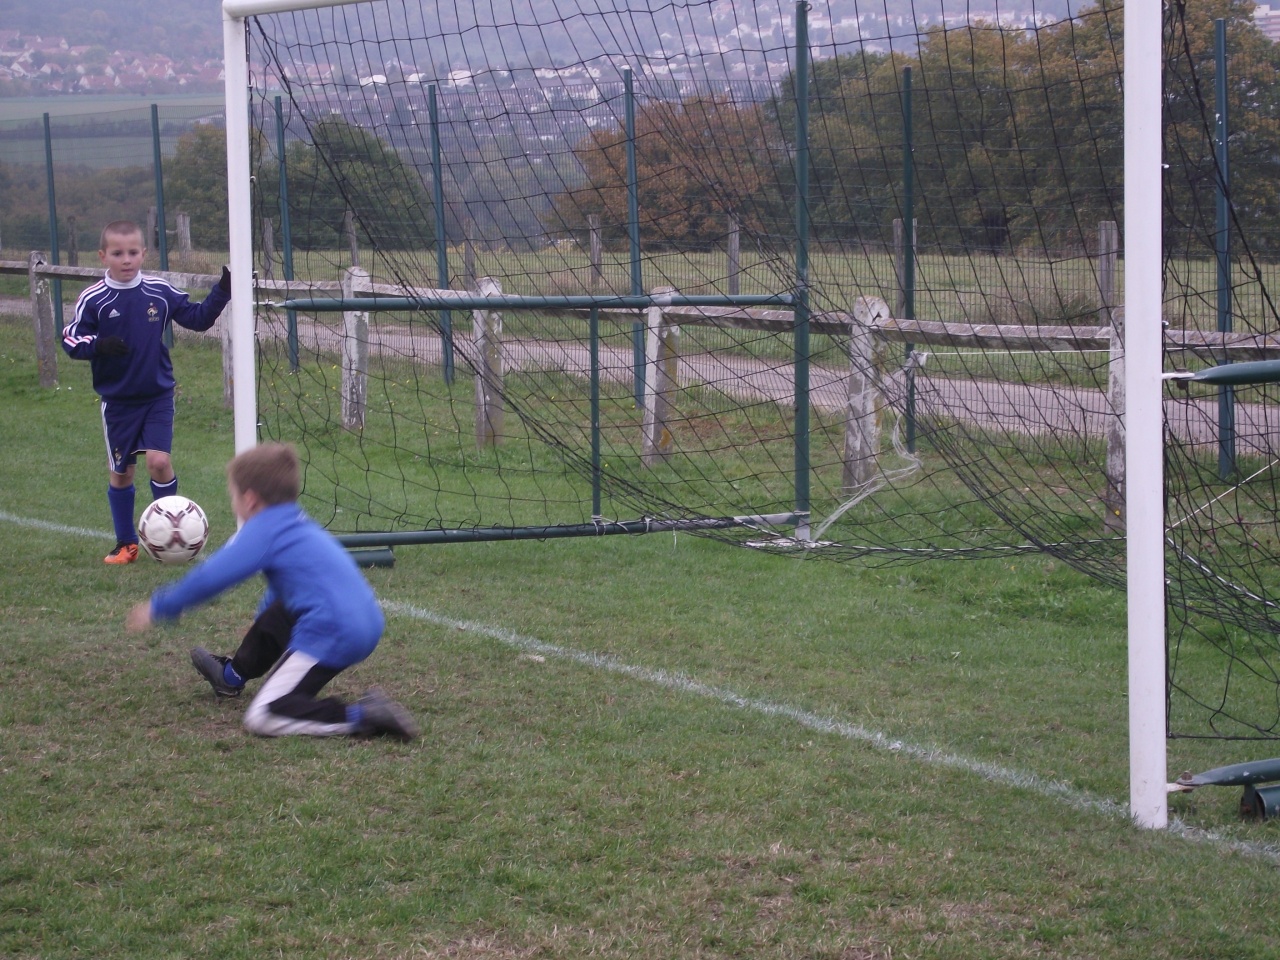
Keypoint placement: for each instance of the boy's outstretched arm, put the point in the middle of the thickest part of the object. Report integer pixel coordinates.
(202, 315)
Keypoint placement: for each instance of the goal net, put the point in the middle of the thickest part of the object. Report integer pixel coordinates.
(815, 278)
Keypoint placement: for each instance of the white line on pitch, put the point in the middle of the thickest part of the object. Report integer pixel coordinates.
(55, 527)
(932, 756)
(1079, 799)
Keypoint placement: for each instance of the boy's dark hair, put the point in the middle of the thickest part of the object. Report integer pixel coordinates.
(270, 470)
(120, 228)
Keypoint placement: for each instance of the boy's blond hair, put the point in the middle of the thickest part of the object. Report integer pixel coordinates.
(120, 228)
(270, 470)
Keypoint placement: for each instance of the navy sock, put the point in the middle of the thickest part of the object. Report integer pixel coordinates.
(229, 674)
(120, 500)
(355, 713)
(169, 489)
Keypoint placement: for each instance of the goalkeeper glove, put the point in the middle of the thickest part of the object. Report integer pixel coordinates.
(224, 284)
(112, 346)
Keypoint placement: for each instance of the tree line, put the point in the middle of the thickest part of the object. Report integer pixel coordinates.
(1017, 143)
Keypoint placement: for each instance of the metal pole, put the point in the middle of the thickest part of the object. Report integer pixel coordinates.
(1222, 243)
(909, 248)
(162, 235)
(244, 389)
(56, 284)
(633, 229)
(442, 249)
(594, 337)
(1144, 414)
(286, 244)
(801, 345)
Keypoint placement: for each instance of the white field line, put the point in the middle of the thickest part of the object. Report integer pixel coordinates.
(928, 755)
(55, 527)
(931, 756)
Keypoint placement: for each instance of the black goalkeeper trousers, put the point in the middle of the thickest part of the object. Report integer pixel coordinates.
(294, 705)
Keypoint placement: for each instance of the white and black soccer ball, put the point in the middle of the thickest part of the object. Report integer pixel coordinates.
(173, 529)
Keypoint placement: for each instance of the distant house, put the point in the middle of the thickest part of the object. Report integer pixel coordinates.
(1268, 21)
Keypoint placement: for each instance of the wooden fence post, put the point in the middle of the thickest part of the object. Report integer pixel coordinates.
(1113, 499)
(862, 414)
(228, 353)
(355, 350)
(734, 265)
(469, 256)
(153, 224)
(184, 233)
(597, 252)
(1113, 316)
(661, 357)
(486, 328)
(349, 236)
(47, 334)
(268, 249)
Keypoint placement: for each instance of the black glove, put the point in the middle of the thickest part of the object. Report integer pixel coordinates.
(110, 347)
(224, 284)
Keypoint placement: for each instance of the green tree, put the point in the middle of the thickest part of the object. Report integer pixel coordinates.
(346, 167)
(1253, 112)
(697, 161)
(195, 183)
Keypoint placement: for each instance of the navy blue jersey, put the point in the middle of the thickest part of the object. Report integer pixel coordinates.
(138, 313)
(337, 617)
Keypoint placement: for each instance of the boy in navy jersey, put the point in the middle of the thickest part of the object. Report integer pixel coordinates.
(119, 327)
(319, 615)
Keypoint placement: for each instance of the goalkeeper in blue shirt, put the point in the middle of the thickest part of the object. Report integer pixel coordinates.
(319, 615)
(119, 327)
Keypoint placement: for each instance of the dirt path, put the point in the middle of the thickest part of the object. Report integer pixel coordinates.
(1020, 408)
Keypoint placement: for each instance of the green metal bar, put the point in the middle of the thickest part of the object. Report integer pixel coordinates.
(909, 242)
(374, 557)
(56, 282)
(594, 338)
(469, 301)
(597, 528)
(1222, 244)
(1239, 374)
(801, 341)
(286, 232)
(162, 235)
(442, 248)
(633, 229)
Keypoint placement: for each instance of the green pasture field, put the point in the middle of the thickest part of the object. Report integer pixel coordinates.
(651, 746)
(97, 107)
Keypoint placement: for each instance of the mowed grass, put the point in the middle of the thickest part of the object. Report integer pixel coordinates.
(654, 746)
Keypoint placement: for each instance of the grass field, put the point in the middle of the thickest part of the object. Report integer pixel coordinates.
(60, 106)
(633, 747)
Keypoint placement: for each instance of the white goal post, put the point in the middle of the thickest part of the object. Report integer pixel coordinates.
(235, 58)
(1143, 298)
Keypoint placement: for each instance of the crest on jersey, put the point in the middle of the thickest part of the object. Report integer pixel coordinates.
(152, 313)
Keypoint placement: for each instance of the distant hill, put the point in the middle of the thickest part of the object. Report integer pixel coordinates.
(498, 36)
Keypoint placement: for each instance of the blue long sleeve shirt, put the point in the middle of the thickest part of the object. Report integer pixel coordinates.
(139, 313)
(338, 622)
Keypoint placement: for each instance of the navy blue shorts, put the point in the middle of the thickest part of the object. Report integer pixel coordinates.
(131, 428)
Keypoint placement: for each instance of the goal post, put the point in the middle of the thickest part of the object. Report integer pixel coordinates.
(731, 418)
(1144, 414)
(235, 58)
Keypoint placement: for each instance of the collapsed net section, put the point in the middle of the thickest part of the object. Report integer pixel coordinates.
(1222, 445)
(960, 388)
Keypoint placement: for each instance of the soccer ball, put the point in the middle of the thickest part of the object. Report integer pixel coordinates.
(173, 529)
